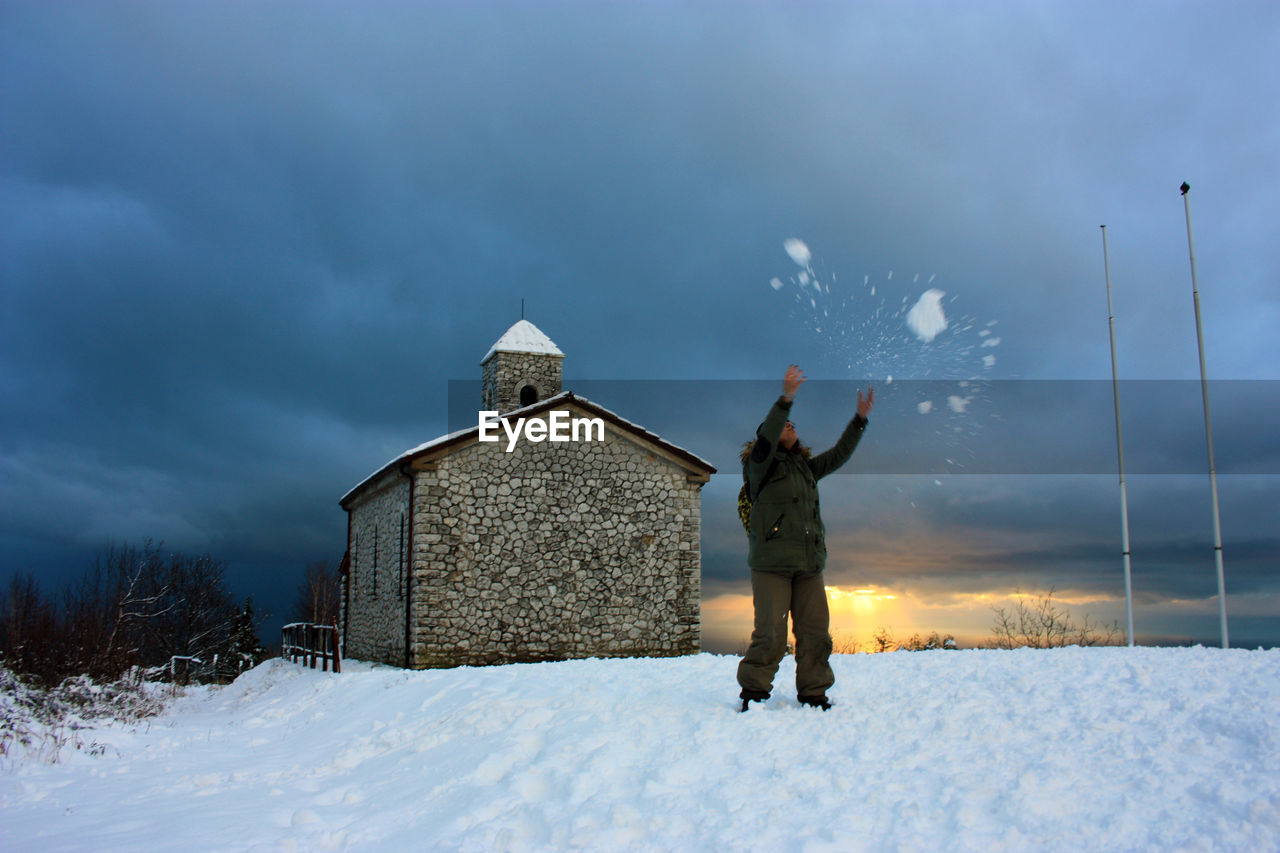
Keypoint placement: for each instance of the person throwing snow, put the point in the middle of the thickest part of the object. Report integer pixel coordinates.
(787, 549)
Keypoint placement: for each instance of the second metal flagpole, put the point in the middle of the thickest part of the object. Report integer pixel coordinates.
(1208, 426)
(1124, 499)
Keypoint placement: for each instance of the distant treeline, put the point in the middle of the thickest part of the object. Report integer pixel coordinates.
(137, 606)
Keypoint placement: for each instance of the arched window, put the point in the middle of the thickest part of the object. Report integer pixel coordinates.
(528, 396)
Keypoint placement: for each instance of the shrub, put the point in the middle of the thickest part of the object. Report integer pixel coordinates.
(1046, 625)
(38, 722)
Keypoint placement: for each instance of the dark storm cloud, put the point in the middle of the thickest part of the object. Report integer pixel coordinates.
(246, 249)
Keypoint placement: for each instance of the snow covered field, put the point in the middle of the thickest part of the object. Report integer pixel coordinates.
(1071, 749)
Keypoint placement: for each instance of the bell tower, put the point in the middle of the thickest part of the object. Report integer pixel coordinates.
(520, 369)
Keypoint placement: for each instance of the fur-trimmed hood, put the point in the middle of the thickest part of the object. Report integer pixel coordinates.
(801, 448)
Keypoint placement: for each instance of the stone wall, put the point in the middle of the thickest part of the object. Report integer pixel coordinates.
(379, 546)
(553, 551)
(505, 373)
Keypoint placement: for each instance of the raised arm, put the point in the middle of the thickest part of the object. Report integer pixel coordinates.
(826, 462)
(768, 433)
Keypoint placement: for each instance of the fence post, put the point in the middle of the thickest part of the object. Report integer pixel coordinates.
(310, 642)
(337, 648)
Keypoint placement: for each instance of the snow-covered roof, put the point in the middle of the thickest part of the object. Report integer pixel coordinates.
(463, 435)
(523, 337)
(408, 454)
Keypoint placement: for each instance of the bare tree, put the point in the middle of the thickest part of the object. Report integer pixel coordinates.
(1046, 625)
(191, 610)
(318, 594)
(106, 611)
(135, 606)
(90, 627)
(28, 627)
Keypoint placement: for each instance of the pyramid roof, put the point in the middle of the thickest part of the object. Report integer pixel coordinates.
(523, 337)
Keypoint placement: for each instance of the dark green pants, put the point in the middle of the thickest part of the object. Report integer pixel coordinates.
(804, 597)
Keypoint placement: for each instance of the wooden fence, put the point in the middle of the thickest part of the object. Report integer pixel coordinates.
(311, 644)
(184, 669)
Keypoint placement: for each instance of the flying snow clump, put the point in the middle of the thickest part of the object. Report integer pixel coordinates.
(798, 251)
(926, 317)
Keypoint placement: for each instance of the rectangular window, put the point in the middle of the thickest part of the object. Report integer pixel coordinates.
(400, 578)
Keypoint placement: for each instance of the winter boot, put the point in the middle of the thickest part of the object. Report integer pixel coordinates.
(816, 702)
(749, 696)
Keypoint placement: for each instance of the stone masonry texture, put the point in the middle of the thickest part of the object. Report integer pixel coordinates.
(379, 549)
(505, 373)
(554, 550)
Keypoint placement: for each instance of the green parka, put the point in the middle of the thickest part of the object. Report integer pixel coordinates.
(787, 535)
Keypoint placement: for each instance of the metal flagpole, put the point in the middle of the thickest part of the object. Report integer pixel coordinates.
(1124, 499)
(1208, 426)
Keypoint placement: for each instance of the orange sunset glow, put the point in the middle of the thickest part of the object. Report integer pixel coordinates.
(858, 613)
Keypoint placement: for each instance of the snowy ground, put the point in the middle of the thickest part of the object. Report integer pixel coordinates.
(1073, 749)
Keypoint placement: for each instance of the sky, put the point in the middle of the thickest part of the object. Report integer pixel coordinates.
(250, 252)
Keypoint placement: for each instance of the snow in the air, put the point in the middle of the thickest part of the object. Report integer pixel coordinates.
(1071, 749)
(926, 318)
(798, 251)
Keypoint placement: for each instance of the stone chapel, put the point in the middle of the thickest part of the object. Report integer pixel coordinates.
(468, 550)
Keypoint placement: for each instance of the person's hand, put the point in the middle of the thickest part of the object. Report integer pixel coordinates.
(791, 382)
(865, 404)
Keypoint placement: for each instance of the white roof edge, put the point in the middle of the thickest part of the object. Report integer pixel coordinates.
(391, 462)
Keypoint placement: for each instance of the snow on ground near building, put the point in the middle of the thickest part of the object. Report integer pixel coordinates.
(1071, 749)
